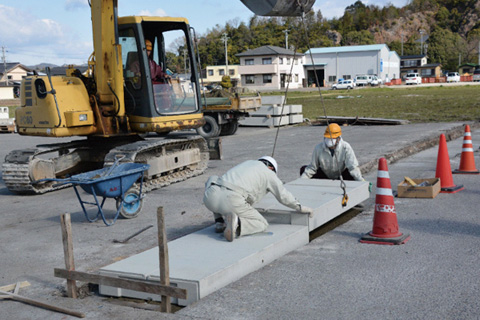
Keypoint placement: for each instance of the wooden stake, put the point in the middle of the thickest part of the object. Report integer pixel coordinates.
(163, 255)
(13, 296)
(66, 224)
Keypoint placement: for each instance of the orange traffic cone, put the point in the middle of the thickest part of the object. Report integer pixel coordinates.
(467, 161)
(385, 225)
(444, 170)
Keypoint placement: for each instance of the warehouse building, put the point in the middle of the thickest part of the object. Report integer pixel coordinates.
(334, 63)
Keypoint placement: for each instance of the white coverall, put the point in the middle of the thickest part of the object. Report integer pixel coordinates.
(322, 158)
(242, 186)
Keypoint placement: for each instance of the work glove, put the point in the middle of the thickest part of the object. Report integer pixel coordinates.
(369, 186)
(306, 210)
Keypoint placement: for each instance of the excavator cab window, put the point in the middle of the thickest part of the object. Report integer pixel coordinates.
(133, 71)
(163, 75)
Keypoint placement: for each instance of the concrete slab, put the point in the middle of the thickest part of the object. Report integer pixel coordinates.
(295, 118)
(265, 121)
(324, 196)
(203, 262)
(273, 100)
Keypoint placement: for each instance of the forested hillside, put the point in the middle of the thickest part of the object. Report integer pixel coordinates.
(452, 27)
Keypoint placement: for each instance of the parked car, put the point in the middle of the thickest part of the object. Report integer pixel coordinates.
(476, 75)
(343, 84)
(376, 81)
(413, 78)
(363, 80)
(453, 77)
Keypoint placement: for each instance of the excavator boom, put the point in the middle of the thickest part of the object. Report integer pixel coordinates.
(119, 99)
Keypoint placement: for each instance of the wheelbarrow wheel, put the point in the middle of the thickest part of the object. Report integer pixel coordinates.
(131, 205)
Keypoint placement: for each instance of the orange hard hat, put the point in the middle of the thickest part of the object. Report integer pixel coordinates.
(333, 131)
(148, 45)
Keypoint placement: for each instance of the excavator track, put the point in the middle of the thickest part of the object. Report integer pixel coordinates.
(171, 160)
(22, 167)
(17, 179)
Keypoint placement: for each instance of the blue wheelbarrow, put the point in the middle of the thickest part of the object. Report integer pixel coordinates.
(110, 182)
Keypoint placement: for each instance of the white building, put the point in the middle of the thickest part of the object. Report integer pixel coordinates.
(333, 63)
(214, 74)
(268, 67)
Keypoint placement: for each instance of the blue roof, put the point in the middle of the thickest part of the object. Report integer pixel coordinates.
(370, 47)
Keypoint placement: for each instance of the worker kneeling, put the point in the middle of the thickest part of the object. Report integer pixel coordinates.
(332, 157)
(233, 195)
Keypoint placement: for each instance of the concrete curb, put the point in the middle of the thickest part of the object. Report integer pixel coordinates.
(418, 146)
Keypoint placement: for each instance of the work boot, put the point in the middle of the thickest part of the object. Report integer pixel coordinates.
(220, 227)
(231, 229)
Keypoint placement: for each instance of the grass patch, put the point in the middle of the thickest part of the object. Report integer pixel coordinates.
(416, 104)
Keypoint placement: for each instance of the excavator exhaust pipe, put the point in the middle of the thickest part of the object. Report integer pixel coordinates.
(279, 7)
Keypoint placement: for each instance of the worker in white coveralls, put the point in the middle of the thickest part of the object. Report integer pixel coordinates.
(232, 196)
(332, 157)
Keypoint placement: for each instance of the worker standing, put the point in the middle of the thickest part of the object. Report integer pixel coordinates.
(234, 194)
(332, 157)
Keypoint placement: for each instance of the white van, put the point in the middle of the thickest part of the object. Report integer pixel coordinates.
(453, 77)
(363, 80)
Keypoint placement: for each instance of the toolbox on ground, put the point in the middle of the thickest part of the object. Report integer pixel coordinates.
(425, 188)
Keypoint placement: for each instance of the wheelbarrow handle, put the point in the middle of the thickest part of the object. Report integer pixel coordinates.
(61, 181)
(66, 180)
(118, 158)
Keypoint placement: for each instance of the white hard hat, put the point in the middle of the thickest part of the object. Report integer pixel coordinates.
(271, 161)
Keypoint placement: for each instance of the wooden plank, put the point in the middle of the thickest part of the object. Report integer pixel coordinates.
(163, 257)
(11, 287)
(42, 304)
(357, 120)
(66, 224)
(136, 285)
(17, 287)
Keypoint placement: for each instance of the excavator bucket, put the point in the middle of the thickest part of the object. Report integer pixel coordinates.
(279, 7)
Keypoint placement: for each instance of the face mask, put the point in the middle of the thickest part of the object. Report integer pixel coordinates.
(330, 143)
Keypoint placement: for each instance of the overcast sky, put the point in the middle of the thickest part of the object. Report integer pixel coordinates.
(60, 31)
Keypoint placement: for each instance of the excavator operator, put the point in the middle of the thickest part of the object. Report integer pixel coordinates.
(156, 71)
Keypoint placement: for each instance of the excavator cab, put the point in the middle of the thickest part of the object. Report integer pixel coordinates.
(161, 85)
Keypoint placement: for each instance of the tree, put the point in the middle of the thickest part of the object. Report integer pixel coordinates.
(444, 47)
(358, 38)
(226, 82)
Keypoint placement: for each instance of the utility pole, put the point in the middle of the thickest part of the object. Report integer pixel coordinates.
(421, 41)
(5, 75)
(286, 38)
(402, 42)
(225, 40)
(185, 60)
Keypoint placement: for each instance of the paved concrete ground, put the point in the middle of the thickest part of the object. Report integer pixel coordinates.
(433, 276)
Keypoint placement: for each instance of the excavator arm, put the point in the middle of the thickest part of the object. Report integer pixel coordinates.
(108, 56)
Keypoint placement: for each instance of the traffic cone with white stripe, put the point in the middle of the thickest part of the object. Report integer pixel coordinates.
(385, 225)
(467, 160)
(444, 170)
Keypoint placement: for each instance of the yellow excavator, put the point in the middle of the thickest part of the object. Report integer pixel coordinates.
(117, 101)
